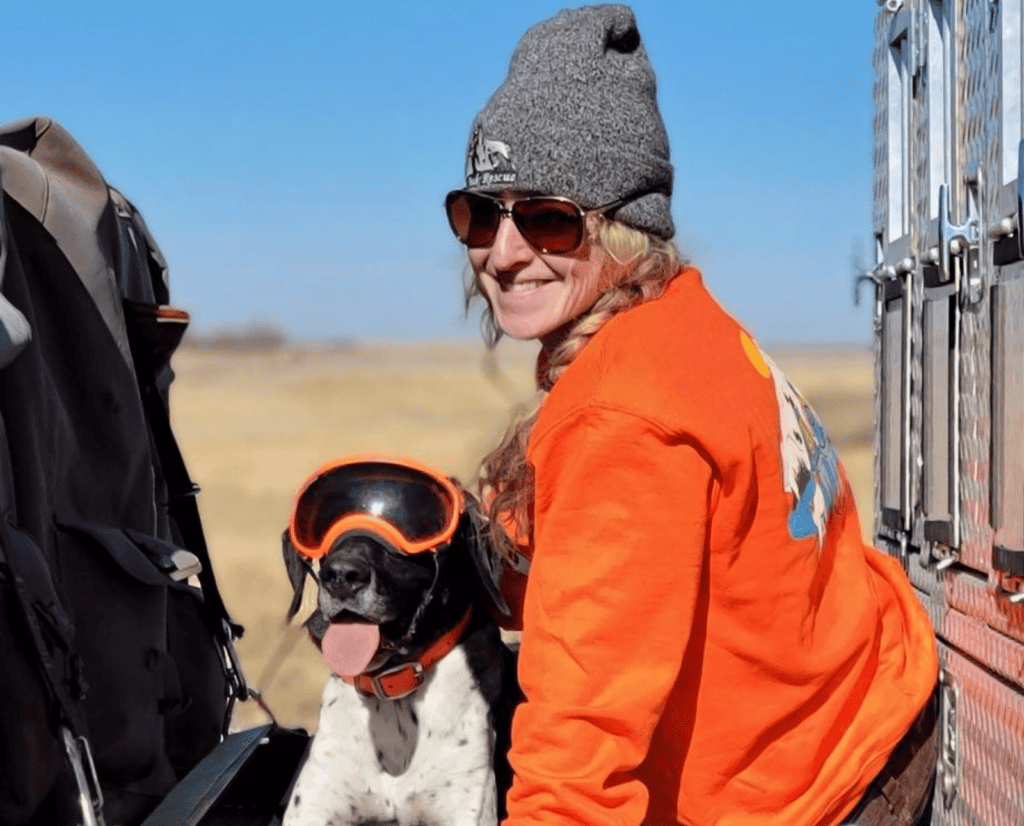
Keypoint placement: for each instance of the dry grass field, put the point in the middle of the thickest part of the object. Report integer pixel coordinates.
(253, 423)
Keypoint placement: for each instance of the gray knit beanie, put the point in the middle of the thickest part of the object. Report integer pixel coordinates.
(577, 116)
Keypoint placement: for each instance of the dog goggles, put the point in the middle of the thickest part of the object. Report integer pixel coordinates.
(552, 224)
(411, 506)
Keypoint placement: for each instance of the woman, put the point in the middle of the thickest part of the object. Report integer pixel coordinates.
(705, 637)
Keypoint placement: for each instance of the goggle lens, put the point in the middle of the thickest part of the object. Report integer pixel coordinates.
(552, 225)
(370, 495)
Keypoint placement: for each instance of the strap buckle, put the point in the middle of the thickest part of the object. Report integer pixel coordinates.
(233, 665)
(416, 670)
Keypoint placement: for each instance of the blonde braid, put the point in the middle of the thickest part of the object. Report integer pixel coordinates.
(643, 268)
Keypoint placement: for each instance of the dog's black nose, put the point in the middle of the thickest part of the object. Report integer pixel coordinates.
(343, 577)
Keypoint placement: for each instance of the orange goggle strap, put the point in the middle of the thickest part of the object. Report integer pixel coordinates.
(370, 523)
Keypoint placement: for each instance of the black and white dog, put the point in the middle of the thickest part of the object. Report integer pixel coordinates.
(437, 754)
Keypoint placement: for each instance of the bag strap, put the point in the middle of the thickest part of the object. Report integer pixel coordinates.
(247, 778)
(154, 332)
(188, 802)
(62, 709)
(184, 511)
(65, 718)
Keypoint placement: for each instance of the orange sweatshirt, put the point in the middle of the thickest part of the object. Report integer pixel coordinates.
(706, 639)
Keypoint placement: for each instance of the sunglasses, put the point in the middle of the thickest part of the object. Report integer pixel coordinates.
(410, 507)
(550, 223)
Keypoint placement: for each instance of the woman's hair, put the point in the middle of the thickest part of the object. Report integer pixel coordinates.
(641, 268)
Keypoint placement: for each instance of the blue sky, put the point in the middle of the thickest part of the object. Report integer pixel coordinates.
(292, 159)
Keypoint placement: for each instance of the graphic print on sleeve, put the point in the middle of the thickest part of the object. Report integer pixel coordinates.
(810, 464)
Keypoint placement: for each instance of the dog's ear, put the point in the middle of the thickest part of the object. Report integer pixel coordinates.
(486, 559)
(298, 570)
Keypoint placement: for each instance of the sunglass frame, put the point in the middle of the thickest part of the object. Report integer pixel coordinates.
(509, 209)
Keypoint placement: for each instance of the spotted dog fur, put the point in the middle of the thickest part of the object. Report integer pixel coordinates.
(424, 759)
(436, 757)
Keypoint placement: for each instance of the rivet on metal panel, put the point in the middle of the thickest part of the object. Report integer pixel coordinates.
(891, 6)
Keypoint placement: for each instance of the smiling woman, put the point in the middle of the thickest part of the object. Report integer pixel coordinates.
(705, 637)
(533, 295)
(549, 263)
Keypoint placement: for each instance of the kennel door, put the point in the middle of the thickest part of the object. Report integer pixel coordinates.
(1007, 484)
(895, 409)
(940, 408)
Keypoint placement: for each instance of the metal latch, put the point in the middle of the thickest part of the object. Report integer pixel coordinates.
(944, 559)
(961, 239)
(90, 797)
(877, 277)
(1011, 587)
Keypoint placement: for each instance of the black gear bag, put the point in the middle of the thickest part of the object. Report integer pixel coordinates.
(118, 670)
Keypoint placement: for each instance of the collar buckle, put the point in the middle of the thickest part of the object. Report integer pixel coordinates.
(399, 688)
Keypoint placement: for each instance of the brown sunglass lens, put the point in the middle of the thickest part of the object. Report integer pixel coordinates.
(473, 219)
(551, 226)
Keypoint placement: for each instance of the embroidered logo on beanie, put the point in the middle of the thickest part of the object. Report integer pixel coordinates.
(489, 162)
(579, 110)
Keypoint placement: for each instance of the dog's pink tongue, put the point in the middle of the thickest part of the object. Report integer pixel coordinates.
(348, 647)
